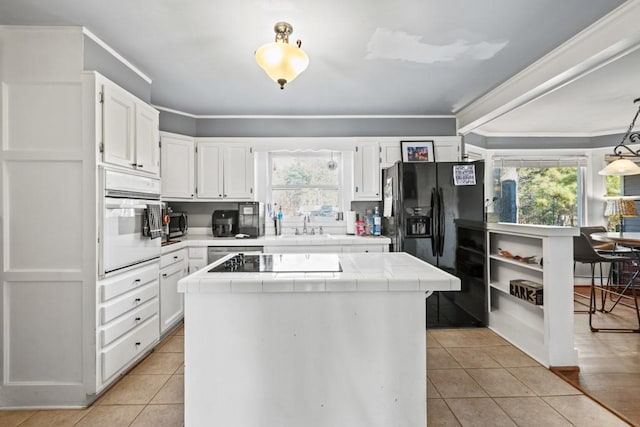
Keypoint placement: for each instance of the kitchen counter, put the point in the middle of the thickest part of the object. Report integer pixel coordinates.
(304, 348)
(383, 271)
(284, 240)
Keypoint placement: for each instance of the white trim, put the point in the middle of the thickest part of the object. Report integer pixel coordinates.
(610, 38)
(288, 117)
(115, 54)
(546, 134)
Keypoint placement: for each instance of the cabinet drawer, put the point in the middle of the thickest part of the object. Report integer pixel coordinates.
(121, 326)
(125, 282)
(172, 258)
(129, 301)
(127, 348)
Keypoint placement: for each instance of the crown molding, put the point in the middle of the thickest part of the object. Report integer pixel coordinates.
(115, 54)
(300, 117)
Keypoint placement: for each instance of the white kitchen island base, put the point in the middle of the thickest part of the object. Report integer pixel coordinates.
(291, 349)
(305, 359)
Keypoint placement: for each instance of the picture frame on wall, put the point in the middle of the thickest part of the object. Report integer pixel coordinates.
(417, 151)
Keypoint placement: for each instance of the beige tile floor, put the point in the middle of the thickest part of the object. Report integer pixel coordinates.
(475, 378)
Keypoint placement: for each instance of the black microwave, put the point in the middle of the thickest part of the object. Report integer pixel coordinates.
(178, 224)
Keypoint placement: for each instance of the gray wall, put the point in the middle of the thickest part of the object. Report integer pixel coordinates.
(98, 59)
(177, 123)
(306, 127)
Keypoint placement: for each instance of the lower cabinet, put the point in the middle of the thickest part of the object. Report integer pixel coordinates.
(197, 259)
(128, 320)
(173, 268)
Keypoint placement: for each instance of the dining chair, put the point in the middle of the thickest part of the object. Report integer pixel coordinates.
(585, 253)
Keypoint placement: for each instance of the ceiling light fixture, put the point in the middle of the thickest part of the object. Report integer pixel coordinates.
(281, 61)
(624, 166)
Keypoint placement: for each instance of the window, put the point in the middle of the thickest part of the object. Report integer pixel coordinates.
(544, 191)
(306, 183)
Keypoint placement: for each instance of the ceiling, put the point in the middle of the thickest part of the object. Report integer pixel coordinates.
(367, 57)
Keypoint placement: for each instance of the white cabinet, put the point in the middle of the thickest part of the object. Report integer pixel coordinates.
(129, 130)
(177, 166)
(389, 153)
(447, 148)
(366, 172)
(545, 332)
(225, 171)
(329, 249)
(127, 319)
(197, 259)
(173, 268)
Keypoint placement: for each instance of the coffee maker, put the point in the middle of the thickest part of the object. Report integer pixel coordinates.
(251, 218)
(224, 223)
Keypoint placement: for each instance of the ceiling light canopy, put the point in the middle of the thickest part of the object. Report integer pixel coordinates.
(624, 166)
(281, 61)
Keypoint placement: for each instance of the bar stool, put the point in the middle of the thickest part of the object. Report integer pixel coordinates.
(583, 252)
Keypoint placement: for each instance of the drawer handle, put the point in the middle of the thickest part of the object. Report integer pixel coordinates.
(164, 274)
(137, 300)
(138, 319)
(136, 282)
(175, 257)
(138, 343)
(139, 165)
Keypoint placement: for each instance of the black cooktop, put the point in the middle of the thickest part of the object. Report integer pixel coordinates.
(280, 263)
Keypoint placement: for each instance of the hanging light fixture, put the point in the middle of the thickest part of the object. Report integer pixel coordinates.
(624, 166)
(281, 61)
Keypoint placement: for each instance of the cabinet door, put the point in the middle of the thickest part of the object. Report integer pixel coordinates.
(366, 172)
(118, 126)
(238, 171)
(389, 153)
(177, 168)
(209, 171)
(147, 139)
(447, 149)
(171, 301)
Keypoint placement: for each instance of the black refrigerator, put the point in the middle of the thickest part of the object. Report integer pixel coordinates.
(422, 203)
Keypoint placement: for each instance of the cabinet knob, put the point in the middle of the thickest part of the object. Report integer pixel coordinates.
(134, 164)
(136, 282)
(164, 274)
(219, 195)
(137, 343)
(137, 300)
(138, 319)
(140, 166)
(175, 257)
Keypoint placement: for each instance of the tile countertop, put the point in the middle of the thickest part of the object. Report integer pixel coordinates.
(380, 271)
(196, 240)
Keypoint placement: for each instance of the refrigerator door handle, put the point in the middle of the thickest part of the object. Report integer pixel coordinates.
(433, 219)
(441, 222)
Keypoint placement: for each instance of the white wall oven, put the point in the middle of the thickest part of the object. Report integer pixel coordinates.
(131, 221)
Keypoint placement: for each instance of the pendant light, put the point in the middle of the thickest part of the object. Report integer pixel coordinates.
(281, 61)
(624, 166)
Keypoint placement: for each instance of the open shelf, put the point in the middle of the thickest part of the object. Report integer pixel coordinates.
(535, 267)
(504, 288)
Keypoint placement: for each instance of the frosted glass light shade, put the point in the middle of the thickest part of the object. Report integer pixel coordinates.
(621, 167)
(282, 62)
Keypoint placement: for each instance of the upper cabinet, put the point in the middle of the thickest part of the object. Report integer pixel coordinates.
(129, 130)
(225, 171)
(366, 172)
(177, 171)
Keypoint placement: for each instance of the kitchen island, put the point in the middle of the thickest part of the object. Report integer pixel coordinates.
(309, 339)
